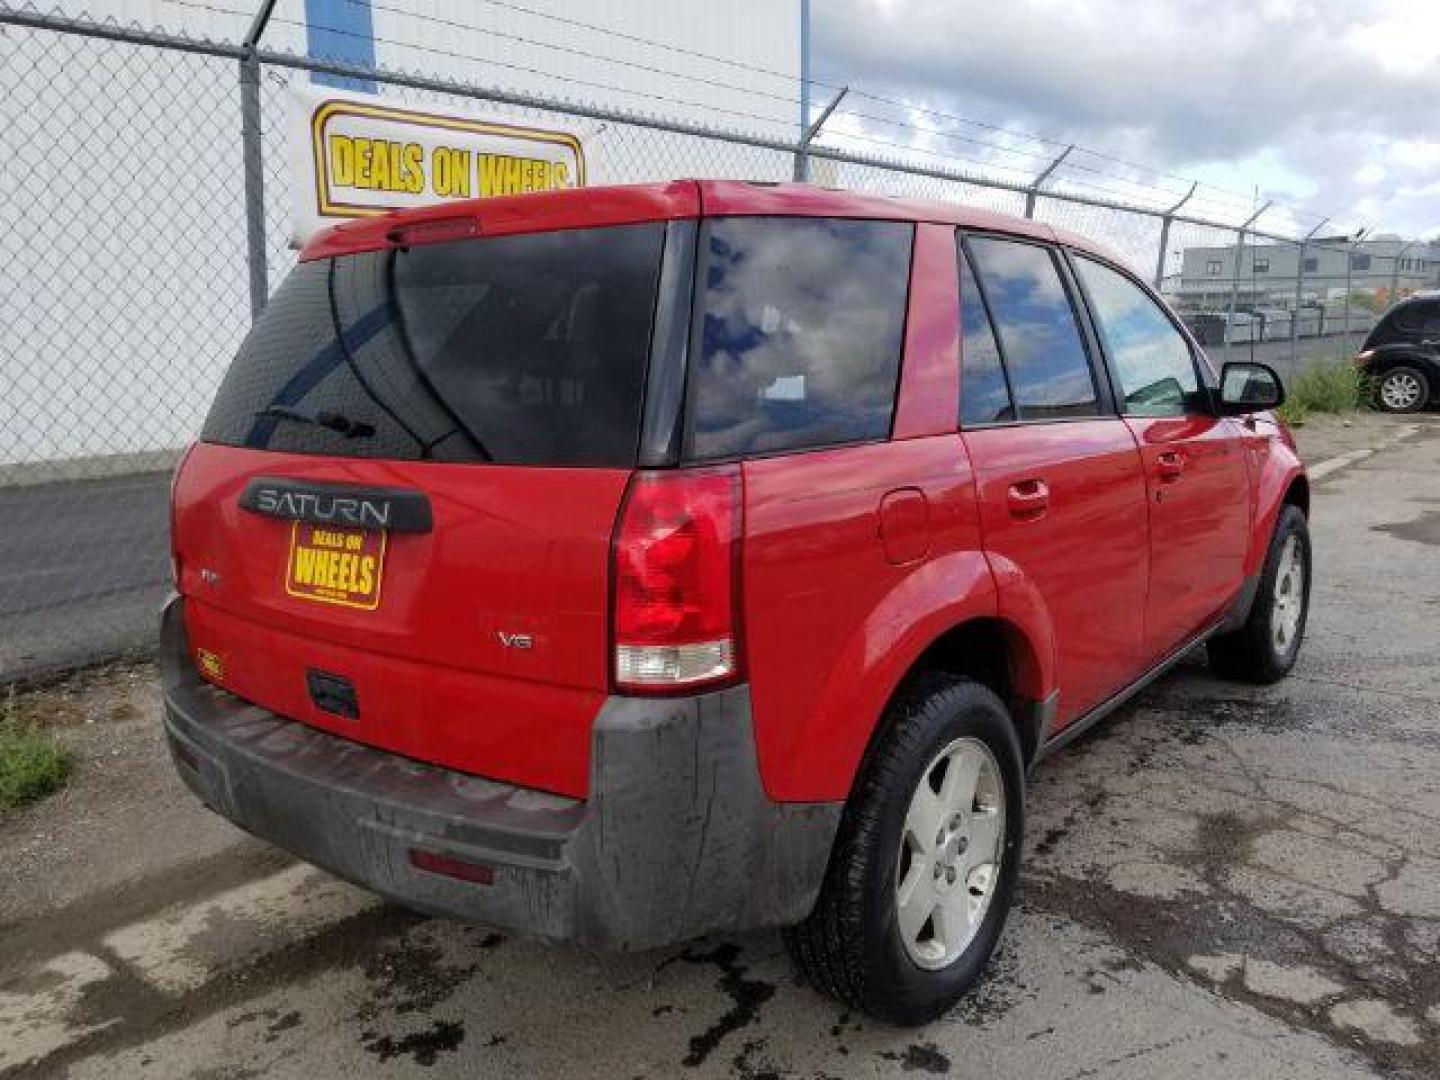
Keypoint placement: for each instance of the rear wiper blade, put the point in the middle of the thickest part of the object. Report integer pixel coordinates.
(336, 422)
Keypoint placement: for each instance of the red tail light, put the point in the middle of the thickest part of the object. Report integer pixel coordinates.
(675, 617)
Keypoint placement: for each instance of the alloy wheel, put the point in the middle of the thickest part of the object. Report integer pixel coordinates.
(950, 853)
(1400, 390)
(1288, 604)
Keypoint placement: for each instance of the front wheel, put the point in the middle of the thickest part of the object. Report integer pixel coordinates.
(1264, 649)
(924, 868)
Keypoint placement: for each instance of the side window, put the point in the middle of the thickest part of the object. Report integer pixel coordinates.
(984, 394)
(1151, 360)
(1044, 354)
(1420, 319)
(802, 324)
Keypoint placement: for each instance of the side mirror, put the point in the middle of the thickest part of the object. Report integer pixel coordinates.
(1247, 387)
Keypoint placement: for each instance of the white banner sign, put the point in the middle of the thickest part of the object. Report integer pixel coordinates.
(357, 155)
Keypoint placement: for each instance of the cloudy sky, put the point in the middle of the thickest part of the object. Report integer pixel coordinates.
(1331, 107)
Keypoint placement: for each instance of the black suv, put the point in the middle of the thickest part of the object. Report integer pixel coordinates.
(1402, 354)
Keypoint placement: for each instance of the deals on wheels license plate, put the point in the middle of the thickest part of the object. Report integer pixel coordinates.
(335, 565)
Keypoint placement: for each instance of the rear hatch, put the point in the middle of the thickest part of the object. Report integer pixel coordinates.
(397, 524)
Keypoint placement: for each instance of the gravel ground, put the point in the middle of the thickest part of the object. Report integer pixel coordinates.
(1220, 881)
(1325, 436)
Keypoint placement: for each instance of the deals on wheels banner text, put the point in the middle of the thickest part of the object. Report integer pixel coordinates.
(356, 155)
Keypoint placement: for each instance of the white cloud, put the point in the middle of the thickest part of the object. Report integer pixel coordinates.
(1325, 105)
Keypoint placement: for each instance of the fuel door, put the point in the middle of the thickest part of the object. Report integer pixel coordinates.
(905, 525)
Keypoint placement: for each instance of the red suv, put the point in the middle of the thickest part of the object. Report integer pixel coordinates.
(620, 565)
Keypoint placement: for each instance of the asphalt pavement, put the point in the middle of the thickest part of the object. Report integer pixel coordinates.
(1221, 881)
(83, 567)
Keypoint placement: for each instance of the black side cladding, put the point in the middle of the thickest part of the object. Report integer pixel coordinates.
(676, 837)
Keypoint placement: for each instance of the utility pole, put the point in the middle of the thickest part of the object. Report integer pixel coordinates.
(804, 79)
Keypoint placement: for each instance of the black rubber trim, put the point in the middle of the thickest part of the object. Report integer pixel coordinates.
(661, 425)
(1077, 727)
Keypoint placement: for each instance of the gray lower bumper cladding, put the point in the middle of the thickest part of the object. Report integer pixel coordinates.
(676, 839)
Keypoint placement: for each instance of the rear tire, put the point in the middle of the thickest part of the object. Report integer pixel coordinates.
(1264, 649)
(950, 850)
(1402, 390)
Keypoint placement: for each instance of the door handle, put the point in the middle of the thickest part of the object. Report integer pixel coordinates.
(1169, 465)
(1028, 498)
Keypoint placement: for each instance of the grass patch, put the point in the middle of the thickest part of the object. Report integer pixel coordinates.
(32, 761)
(1325, 388)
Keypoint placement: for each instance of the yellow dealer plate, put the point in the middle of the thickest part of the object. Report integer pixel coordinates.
(335, 565)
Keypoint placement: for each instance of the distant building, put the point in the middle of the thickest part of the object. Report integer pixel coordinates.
(1385, 268)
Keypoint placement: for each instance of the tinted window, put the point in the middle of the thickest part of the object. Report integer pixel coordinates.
(1046, 359)
(521, 349)
(1150, 359)
(800, 339)
(1419, 318)
(984, 396)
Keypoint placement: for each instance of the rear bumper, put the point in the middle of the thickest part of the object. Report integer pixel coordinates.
(677, 838)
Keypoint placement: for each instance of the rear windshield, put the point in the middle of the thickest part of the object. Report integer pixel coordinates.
(524, 349)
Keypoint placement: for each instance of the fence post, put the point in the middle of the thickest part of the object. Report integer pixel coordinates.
(1395, 272)
(1045, 173)
(1295, 314)
(1235, 279)
(1299, 294)
(1165, 237)
(1349, 283)
(1229, 332)
(252, 150)
(802, 155)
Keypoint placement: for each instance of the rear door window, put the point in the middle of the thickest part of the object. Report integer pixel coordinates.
(1421, 319)
(801, 325)
(1044, 353)
(528, 349)
(1149, 357)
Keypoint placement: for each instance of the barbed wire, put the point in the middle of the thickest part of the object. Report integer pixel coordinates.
(1138, 194)
(828, 84)
(949, 135)
(1020, 175)
(432, 50)
(1232, 202)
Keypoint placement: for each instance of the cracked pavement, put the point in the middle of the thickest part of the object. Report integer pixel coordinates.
(1220, 881)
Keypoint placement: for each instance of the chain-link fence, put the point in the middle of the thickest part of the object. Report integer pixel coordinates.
(142, 229)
